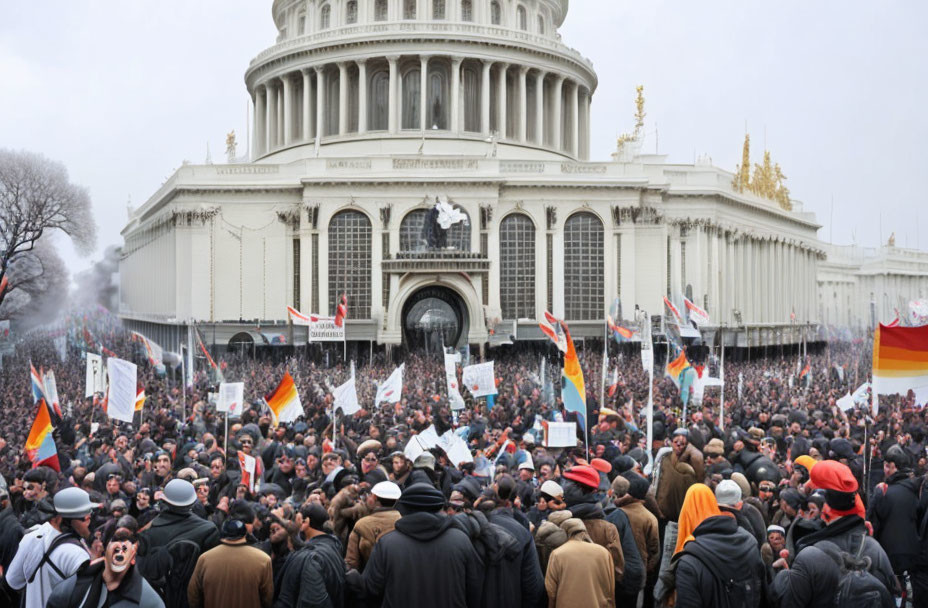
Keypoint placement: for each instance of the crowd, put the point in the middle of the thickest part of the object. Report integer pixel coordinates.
(784, 500)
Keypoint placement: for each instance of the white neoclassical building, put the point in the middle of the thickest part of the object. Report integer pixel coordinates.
(366, 112)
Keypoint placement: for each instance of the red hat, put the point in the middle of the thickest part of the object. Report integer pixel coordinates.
(583, 474)
(832, 475)
(601, 465)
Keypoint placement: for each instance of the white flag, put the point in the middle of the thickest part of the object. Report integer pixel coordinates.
(479, 379)
(346, 396)
(231, 397)
(247, 465)
(696, 314)
(94, 375)
(391, 390)
(123, 378)
(846, 402)
(455, 447)
(51, 389)
(451, 376)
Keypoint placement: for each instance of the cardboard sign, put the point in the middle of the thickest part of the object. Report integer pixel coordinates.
(231, 398)
(561, 435)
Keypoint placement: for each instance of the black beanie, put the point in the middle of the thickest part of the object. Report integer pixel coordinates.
(420, 497)
(637, 485)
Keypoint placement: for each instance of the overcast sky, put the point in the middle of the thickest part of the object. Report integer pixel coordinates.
(123, 91)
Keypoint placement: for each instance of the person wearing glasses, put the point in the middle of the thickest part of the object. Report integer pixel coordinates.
(53, 551)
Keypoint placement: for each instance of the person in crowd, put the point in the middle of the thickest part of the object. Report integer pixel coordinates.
(579, 486)
(314, 575)
(383, 515)
(232, 574)
(580, 572)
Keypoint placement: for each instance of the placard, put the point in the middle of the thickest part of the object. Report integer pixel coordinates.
(93, 382)
(561, 435)
(324, 329)
(123, 377)
(231, 397)
(479, 379)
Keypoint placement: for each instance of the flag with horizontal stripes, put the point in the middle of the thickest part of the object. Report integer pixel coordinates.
(573, 389)
(549, 327)
(298, 318)
(900, 360)
(682, 374)
(40, 445)
(284, 402)
(697, 315)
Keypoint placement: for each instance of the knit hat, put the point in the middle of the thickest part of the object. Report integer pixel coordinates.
(470, 488)
(743, 483)
(583, 474)
(792, 497)
(371, 445)
(420, 497)
(728, 493)
(637, 485)
(806, 461)
(601, 465)
(233, 528)
(620, 486)
(559, 517)
(316, 514)
(715, 447)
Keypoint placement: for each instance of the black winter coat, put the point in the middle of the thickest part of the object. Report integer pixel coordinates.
(893, 515)
(172, 526)
(634, 578)
(10, 535)
(527, 587)
(423, 562)
(731, 553)
(313, 576)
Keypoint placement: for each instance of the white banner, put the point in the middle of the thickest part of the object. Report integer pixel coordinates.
(647, 359)
(479, 379)
(51, 389)
(845, 403)
(561, 435)
(391, 390)
(123, 378)
(323, 329)
(231, 398)
(93, 382)
(247, 465)
(455, 447)
(451, 377)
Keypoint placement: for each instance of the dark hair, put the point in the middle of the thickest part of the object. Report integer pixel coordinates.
(387, 502)
(505, 487)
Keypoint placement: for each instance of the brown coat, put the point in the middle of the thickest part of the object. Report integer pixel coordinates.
(366, 532)
(676, 476)
(605, 534)
(645, 529)
(344, 510)
(580, 574)
(232, 575)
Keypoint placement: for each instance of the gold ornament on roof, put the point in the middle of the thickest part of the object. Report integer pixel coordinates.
(230, 145)
(768, 180)
(625, 138)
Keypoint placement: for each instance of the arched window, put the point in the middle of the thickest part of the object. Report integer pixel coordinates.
(541, 25)
(517, 267)
(496, 13)
(301, 24)
(409, 9)
(351, 12)
(380, 10)
(411, 87)
(438, 95)
(378, 102)
(350, 263)
(438, 9)
(325, 17)
(523, 18)
(583, 267)
(470, 77)
(467, 10)
(419, 233)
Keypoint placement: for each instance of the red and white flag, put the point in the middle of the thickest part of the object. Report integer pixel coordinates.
(548, 326)
(614, 385)
(392, 388)
(674, 310)
(341, 312)
(697, 315)
(298, 318)
(247, 464)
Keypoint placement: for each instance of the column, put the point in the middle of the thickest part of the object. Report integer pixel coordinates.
(393, 106)
(279, 116)
(540, 108)
(320, 103)
(423, 98)
(362, 96)
(456, 94)
(270, 111)
(260, 118)
(485, 99)
(307, 85)
(523, 105)
(575, 120)
(501, 117)
(288, 110)
(556, 114)
(342, 98)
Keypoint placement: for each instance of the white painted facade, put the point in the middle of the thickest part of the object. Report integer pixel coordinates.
(338, 136)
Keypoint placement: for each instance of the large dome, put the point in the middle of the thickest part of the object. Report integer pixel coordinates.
(454, 73)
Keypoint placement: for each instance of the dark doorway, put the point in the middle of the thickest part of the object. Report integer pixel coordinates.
(434, 317)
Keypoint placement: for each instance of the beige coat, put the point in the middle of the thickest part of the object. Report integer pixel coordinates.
(365, 533)
(645, 530)
(232, 575)
(580, 574)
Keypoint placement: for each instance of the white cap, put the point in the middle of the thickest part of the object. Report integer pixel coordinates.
(552, 488)
(527, 464)
(387, 490)
(728, 493)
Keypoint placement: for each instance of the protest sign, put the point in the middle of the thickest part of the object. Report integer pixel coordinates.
(123, 380)
(231, 397)
(479, 379)
(94, 375)
(561, 435)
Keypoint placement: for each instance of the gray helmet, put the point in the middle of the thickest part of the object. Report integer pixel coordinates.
(424, 461)
(73, 503)
(179, 493)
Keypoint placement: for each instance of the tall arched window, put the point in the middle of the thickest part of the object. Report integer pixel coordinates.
(438, 9)
(411, 87)
(541, 25)
(378, 102)
(467, 10)
(496, 13)
(522, 17)
(470, 77)
(351, 12)
(380, 10)
(350, 262)
(438, 95)
(409, 9)
(517, 267)
(325, 17)
(420, 232)
(583, 267)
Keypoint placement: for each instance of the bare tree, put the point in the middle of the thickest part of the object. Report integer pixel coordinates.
(37, 199)
(41, 281)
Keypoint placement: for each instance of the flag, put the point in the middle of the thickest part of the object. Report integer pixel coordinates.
(38, 386)
(247, 464)
(613, 387)
(573, 389)
(341, 311)
(51, 392)
(805, 374)
(140, 399)
(209, 358)
(392, 388)
(549, 327)
(672, 322)
(674, 312)
(4, 283)
(298, 318)
(900, 360)
(895, 322)
(614, 320)
(284, 401)
(683, 375)
(346, 396)
(40, 445)
(153, 351)
(697, 315)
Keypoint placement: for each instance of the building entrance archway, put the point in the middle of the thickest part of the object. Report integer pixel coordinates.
(433, 317)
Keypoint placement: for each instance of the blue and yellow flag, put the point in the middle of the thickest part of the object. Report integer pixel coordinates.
(573, 390)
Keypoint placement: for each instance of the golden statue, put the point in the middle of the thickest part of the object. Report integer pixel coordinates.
(768, 180)
(230, 146)
(742, 180)
(625, 138)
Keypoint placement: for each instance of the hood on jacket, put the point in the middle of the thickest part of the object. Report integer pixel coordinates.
(423, 526)
(722, 545)
(492, 542)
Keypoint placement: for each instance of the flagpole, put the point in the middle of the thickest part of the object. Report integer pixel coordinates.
(602, 384)
(722, 378)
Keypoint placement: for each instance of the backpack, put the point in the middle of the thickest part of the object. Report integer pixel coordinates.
(168, 570)
(738, 592)
(857, 587)
(65, 538)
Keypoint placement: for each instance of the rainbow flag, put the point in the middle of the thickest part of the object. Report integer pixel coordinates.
(900, 360)
(682, 374)
(40, 445)
(284, 402)
(573, 389)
